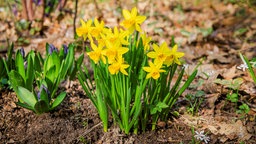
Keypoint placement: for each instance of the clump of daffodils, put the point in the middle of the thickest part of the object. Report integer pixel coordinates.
(109, 45)
(132, 75)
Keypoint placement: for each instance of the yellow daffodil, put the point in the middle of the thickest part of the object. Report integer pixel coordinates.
(132, 21)
(114, 50)
(153, 70)
(85, 29)
(116, 37)
(117, 66)
(99, 27)
(145, 40)
(173, 57)
(96, 54)
(160, 53)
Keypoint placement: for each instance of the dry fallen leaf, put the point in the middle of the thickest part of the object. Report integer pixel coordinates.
(230, 131)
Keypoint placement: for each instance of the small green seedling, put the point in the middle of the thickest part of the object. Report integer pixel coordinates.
(232, 97)
(195, 101)
(244, 108)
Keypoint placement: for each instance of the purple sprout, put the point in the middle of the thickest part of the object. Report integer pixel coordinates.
(37, 2)
(52, 48)
(43, 87)
(65, 47)
(22, 52)
(25, 64)
(14, 9)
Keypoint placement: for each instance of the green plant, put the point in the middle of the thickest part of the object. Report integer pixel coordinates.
(233, 97)
(233, 94)
(36, 86)
(10, 65)
(195, 101)
(233, 86)
(40, 102)
(132, 82)
(244, 108)
(250, 66)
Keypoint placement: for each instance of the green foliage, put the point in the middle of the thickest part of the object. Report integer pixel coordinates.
(35, 80)
(250, 66)
(40, 104)
(233, 84)
(232, 97)
(244, 108)
(6, 64)
(195, 101)
(133, 100)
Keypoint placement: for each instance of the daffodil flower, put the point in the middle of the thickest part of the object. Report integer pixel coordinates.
(85, 29)
(113, 51)
(132, 21)
(160, 53)
(173, 57)
(97, 53)
(98, 28)
(116, 37)
(117, 66)
(153, 70)
(145, 41)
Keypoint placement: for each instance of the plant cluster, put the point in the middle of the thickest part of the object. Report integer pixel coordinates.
(133, 79)
(233, 95)
(9, 62)
(35, 80)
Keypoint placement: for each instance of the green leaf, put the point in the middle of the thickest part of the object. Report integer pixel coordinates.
(19, 61)
(80, 60)
(236, 83)
(25, 106)
(56, 61)
(50, 74)
(68, 61)
(233, 84)
(206, 31)
(58, 100)
(185, 33)
(16, 80)
(78, 64)
(30, 73)
(2, 68)
(240, 31)
(44, 97)
(158, 107)
(251, 71)
(26, 96)
(9, 54)
(41, 107)
(244, 108)
(232, 97)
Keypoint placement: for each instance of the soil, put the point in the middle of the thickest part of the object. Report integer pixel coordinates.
(76, 119)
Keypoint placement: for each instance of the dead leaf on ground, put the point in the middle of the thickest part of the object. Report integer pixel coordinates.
(230, 131)
(226, 129)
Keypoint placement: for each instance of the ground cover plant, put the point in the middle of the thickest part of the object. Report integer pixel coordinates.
(216, 37)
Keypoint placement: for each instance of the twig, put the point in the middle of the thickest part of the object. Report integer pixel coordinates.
(74, 22)
(89, 130)
(42, 19)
